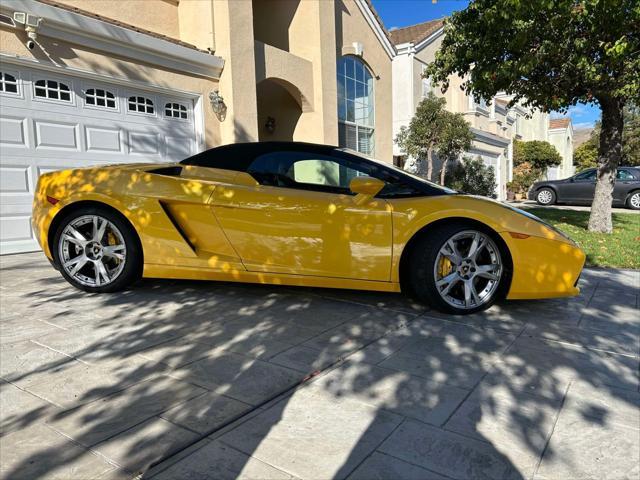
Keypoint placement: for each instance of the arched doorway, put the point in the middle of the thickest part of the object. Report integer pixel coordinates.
(278, 111)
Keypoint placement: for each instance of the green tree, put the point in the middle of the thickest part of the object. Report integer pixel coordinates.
(433, 130)
(540, 154)
(551, 55)
(631, 135)
(586, 155)
(472, 176)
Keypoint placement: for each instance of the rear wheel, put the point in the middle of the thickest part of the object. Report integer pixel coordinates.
(97, 250)
(633, 201)
(546, 196)
(459, 269)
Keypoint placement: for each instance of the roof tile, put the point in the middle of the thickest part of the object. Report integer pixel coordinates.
(415, 33)
(559, 122)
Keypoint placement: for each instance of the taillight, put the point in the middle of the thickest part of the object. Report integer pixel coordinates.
(52, 200)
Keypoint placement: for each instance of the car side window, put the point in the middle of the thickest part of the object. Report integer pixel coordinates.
(304, 171)
(586, 176)
(624, 175)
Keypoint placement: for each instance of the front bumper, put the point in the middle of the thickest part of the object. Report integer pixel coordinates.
(544, 268)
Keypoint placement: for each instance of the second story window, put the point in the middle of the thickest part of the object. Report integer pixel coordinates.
(100, 98)
(356, 109)
(141, 105)
(175, 110)
(52, 90)
(8, 83)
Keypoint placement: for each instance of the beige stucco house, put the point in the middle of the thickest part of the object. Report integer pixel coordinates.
(85, 82)
(494, 124)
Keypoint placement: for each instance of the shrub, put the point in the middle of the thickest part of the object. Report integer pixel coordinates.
(524, 175)
(539, 154)
(472, 176)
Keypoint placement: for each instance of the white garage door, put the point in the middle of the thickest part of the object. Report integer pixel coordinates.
(52, 122)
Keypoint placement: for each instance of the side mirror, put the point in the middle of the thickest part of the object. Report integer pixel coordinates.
(367, 186)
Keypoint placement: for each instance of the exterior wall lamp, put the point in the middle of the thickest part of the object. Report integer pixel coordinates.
(217, 105)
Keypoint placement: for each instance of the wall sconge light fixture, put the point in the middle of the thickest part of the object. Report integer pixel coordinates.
(217, 105)
(270, 124)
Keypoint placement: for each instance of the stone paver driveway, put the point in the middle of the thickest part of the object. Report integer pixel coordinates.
(207, 380)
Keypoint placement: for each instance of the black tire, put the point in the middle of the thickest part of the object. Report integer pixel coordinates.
(633, 200)
(423, 258)
(546, 193)
(133, 259)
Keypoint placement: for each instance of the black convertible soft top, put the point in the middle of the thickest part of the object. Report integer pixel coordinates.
(238, 156)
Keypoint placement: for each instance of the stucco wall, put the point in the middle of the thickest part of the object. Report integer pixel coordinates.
(352, 27)
(562, 139)
(160, 16)
(82, 58)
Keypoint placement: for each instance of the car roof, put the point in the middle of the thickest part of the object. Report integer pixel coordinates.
(238, 156)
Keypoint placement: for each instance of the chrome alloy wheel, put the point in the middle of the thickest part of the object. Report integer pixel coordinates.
(92, 250)
(545, 197)
(468, 269)
(634, 201)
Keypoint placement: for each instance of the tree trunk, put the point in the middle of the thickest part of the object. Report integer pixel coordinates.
(429, 163)
(443, 171)
(609, 155)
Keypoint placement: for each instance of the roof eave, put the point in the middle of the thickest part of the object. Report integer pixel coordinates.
(80, 29)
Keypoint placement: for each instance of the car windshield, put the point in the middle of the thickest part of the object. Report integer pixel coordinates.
(397, 170)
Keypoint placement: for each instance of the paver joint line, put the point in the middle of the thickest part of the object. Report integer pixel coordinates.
(300, 384)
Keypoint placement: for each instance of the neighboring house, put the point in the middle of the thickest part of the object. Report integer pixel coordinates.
(140, 81)
(494, 125)
(560, 135)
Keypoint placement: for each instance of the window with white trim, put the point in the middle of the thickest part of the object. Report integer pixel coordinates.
(8, 83)
(52, 90)
(175, 110)
(356, 109)
(98, 97)
(141, 105)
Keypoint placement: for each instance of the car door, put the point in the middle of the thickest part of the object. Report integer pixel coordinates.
(624, 180)
(302, 219)
(581, 188)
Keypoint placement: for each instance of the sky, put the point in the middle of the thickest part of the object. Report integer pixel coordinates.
(402, 13)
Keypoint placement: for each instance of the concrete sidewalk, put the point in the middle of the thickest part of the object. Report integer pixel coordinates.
(213, 380)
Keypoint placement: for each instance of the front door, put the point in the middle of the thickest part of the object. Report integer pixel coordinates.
(303, 220)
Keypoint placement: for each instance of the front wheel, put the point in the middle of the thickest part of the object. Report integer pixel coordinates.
(97, 250)
(546, 196)
(633, 202)
(459, 269)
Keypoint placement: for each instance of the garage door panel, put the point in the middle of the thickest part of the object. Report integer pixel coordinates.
(178, 148)
(15, 228)
(103, 140)
(40, 135)
(144, 143)
(14, 179)
(13, 132)
(58, 135)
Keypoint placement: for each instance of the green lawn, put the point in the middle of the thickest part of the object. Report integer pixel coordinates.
(620, 249)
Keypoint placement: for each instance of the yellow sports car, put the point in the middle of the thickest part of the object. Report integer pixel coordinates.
(291, 213)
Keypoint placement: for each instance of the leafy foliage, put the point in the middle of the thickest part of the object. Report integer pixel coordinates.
(551, 55)
(472, 176)
(433, 130)
(631, 135)
(586, 155)
(524, 175)
(539, 154)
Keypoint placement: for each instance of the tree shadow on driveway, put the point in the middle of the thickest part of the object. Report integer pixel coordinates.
(213, 380)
